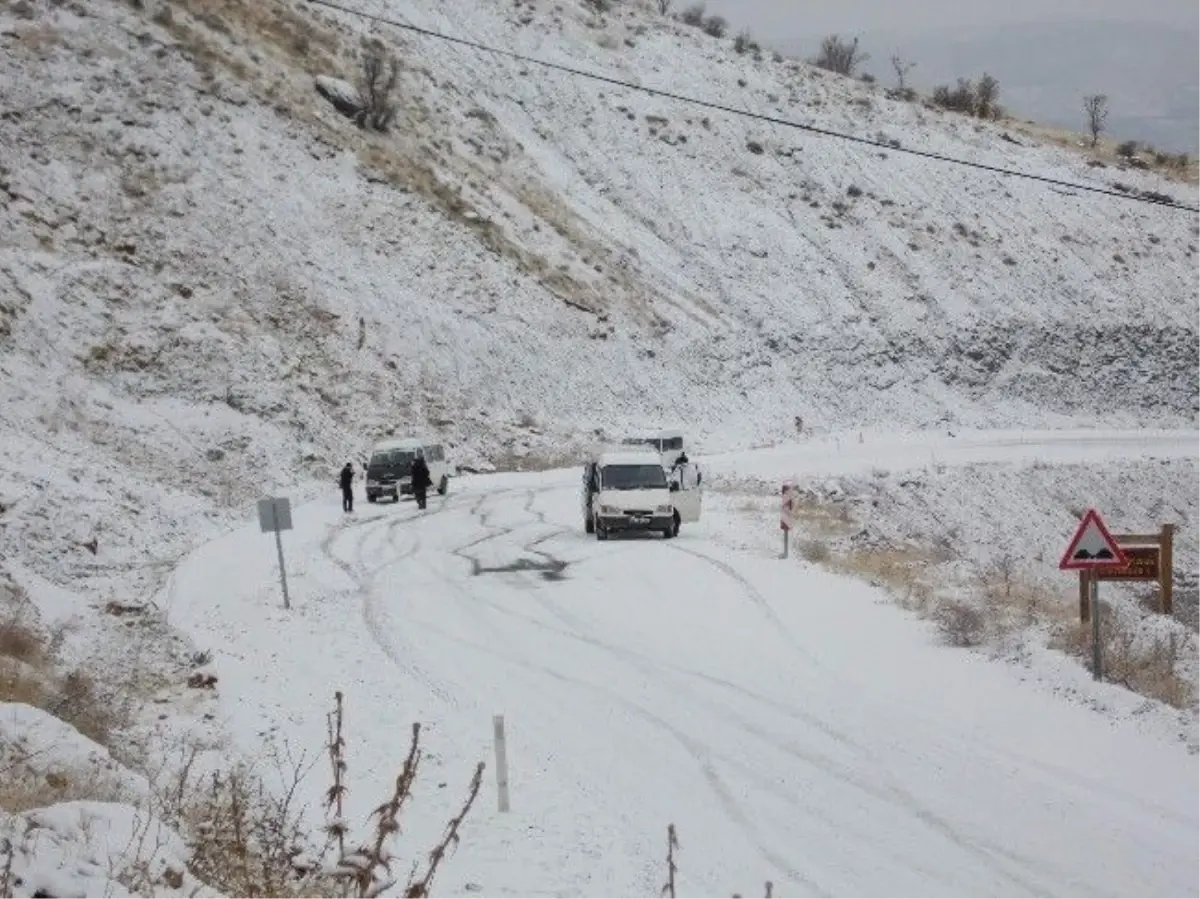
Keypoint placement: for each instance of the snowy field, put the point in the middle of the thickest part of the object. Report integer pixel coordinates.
(792, 725)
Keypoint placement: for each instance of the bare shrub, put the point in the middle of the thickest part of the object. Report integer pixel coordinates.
(960, 622)
(20, 642)
(840, 56)
(987, 95)
(1095, 109)
(815, 551)
(715, 26)
(376, 83)
(960, 98)
(1127, 149)
(1144, 663)
(902, 67)
(511, 460)
(22, 790)
(902, 572)
(693, 15)
(745, 43)
(664, 6)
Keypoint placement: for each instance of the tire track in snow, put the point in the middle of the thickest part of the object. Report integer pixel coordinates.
(365, 574)
(992, 856)
(364, 579)
(701, 754)
(694, 748)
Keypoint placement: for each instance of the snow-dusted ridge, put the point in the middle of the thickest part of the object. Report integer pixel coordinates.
(213, 286)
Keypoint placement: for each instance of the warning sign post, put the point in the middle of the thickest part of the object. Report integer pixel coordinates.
(1093, 549)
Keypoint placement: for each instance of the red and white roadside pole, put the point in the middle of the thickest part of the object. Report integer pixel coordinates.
(785, 516)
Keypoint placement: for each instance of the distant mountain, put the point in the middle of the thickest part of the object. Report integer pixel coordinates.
(1149, 70)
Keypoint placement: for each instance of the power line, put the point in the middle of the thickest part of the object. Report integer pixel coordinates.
(774, 120)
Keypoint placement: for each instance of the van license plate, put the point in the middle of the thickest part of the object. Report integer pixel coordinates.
(639, 520)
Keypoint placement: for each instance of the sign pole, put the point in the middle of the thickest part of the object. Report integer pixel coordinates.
(279, 548)
(1166, 568)
(501, 762)
(275, 514)
(1095, 554)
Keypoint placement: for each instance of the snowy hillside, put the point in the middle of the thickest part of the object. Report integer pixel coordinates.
(214, 286)
(212, 281)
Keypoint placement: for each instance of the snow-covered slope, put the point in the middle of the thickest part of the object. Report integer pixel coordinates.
(213, 286)
(210, 280)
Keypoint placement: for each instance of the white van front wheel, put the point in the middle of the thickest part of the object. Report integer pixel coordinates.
(443, 485)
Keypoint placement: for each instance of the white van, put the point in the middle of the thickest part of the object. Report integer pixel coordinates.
(682, 473)
(389, 471)
(667, 443)
(627, 491)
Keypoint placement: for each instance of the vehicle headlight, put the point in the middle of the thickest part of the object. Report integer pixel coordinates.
(662, 510)
(609, 510)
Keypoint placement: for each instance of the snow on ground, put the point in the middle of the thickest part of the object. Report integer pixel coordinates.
(793, 724)
(95, 849)
(990, 494)
(212, 287)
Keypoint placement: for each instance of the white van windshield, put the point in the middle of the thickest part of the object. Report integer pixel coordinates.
(392, 460)
(633, 477)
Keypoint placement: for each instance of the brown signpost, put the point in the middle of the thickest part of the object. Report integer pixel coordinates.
(1148, 557)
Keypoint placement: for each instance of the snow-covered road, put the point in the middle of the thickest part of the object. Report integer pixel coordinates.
(793, 726)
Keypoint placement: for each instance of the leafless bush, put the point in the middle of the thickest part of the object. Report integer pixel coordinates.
(1127, 149)
(693, 15)
(1147, 664)
(1095, 108)
(715, 26)
(960, 622)
(745, 43)
(960, 98)
(987, 93)
(815, 551)
(664, 6)
(902, 67)
(376, 83)
(840, 56)
(96, 712)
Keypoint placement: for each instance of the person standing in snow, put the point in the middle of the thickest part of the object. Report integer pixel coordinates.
(421, 479)
(346, 479)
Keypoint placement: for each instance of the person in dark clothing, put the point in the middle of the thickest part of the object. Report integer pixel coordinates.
(346, 479)
(421, 480)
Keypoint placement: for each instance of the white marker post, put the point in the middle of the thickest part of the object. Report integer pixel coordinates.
(785, 517)
(501, 761)
(1093, 549)
(275, 514)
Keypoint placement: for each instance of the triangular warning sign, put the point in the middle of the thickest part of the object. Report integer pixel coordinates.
(1092, 546)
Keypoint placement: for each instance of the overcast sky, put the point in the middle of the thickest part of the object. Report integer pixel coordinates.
(803, 18)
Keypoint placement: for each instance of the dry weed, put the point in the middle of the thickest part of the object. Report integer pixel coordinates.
(247, 840)
(961, 623)
(814, 551)
(508, 460)
(21, 790)
(903, 572)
